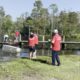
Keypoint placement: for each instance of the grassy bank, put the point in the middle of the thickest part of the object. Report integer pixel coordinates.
(41, 69)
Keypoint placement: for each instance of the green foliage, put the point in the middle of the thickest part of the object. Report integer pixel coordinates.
(38, 4)
(68, 23)
(42, 21)
(73, 18)
(7, 24)
(40, 17)
(54, 8)
(2, 14)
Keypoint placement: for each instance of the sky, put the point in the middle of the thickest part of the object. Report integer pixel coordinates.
(17, 7)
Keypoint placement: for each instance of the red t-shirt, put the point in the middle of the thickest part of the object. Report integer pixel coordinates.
(17, 33)
(36, 39)
(56, 42)
(32, 42)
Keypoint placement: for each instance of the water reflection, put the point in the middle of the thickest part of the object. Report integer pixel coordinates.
(40, 52)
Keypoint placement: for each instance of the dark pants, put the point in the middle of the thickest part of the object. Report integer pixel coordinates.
(55, 57)
(31, 49)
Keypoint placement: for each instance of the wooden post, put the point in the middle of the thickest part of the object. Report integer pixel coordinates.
(43, 44)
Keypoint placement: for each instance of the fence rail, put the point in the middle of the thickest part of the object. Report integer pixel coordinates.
(66, 45)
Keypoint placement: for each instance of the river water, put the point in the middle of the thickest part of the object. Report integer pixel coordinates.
(6, 56)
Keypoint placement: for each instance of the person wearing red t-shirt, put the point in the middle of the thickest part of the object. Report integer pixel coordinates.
(31, 45)
(56, 47)
(36, 44)
(17, 34)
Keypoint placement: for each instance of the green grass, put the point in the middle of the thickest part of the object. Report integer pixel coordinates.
(41, 69)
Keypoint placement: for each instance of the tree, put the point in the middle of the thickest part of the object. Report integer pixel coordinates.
(54, 8)
(68, 22)
(40, 17)
(7, 24)
(73, 21)
(38, 4)
(54, 11)
(2, 14)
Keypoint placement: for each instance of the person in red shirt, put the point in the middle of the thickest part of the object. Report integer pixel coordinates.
(31, 45)
(56, 47)
(36, 39)
(36, 44)
(17, 34)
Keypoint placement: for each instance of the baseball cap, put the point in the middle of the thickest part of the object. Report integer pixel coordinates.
(31, 33)
(55, 31)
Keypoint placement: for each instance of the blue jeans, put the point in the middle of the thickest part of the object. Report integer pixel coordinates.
(55, 57)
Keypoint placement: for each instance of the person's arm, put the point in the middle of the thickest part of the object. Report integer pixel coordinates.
(51, 47)
(53, 40)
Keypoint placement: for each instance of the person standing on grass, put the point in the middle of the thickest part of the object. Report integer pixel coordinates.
(31, 45)
(36, 44)
(56, 47)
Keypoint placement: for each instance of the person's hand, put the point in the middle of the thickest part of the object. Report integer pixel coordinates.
(49, 40)
(51, 47)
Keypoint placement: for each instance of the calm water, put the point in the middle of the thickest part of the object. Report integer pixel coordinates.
(4, 56)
